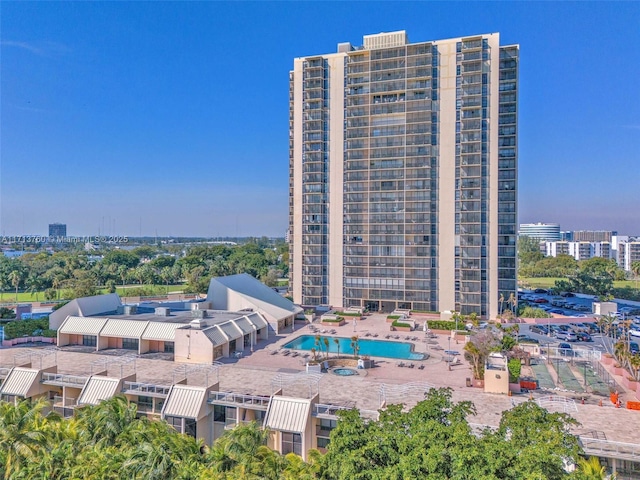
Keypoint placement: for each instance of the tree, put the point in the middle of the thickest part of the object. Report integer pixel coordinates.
(533, 443)
(355, 345)
(635, 269)
(337, 342)
(15, 277)
(591, 469)
(477, 349)
(20, 435)
(528, 251)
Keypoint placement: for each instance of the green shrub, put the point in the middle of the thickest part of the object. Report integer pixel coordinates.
(514, 366)
(332, 320)
(348, 314)
(20, 328)
(393, 317)
(443, 324)
(400, 324)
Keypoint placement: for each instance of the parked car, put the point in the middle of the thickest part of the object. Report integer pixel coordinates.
(536, 329)
(541, 300)
(567, 335)
(527, 340)
(557, 311)
(565, 350)
(541, 290)
(634, 348)
(567, 294)
(584, 337)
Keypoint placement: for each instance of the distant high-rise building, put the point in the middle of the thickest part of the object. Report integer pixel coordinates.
(593, 235)
(57, 230)
(403, 174)
(545, 232)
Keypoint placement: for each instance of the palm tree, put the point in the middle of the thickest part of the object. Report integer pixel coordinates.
(634, 363)
(606, 326)
(591, 469)
(337, 342)
(21, 435)
(512, 301)
(34, 285)
(15, 277)
(325, 340)
(501, 300)
(635, 269)
(355, 345)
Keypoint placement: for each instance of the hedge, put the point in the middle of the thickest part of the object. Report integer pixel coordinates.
(332, 320)
(443, 324)
(393, 317)
(400, 324)
(349, 314)
(20, 328)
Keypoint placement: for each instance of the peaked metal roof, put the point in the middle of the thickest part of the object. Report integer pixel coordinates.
(257, 320)
(287, 414)
(161, 331)
(184, 401)
(124, 328)
(215, 335)
(245, 325)
(19, 381)
(97, 389)
(82, 325)
(231, 330)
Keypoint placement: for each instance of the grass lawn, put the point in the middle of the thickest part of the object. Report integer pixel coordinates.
(25, 297)
(548, 282)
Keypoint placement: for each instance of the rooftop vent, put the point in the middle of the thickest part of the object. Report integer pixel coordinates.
(130, 309)
(198, 313)
(162, 311)
(198, 324)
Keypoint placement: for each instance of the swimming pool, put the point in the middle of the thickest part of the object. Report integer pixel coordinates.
(374, 348)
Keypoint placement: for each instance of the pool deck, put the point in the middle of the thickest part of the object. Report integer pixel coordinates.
(255, 371)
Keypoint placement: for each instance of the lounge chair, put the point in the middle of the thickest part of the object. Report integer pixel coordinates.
(421, 367)
(295, 354)
(367, 334)
(411, 365)
(387, 337)
(401, 364)
(286, 353)
(274, 352)
(332, 332)
(375, 335)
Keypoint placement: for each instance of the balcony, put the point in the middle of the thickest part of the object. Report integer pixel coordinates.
(146, 389)
(255, 402)
(327, 411)
(62, 380)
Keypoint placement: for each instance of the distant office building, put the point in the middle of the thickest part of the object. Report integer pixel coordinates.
(628, 253)
(566, 236)
(553, 249)
(578, 250)
(57, 230)
(593, 235)
(545, 232)
(403, 174)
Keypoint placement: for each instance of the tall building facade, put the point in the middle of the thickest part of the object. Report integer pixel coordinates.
(57, 230)
(403, 174)
(545, 232)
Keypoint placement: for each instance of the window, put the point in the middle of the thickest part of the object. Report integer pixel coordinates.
(175, 422)
(190, 427)
(291, 443)
(130, 343)
(145, 404)
(89, 340)
(219, 413)
(169, 347)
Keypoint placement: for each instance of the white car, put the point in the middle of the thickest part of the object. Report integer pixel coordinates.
(634, 333)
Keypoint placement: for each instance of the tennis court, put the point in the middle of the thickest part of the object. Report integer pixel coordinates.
(566, 376)
(543, 376)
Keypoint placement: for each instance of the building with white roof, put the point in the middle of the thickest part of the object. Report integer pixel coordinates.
(239, 311)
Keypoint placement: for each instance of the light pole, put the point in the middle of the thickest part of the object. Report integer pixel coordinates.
(449, 354)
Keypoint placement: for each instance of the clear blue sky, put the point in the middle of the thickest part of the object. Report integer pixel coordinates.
(131, 118)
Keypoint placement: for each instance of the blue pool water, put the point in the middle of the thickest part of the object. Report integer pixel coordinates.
(374, 348)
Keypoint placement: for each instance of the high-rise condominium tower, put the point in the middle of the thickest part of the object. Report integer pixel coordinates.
(403, 174)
